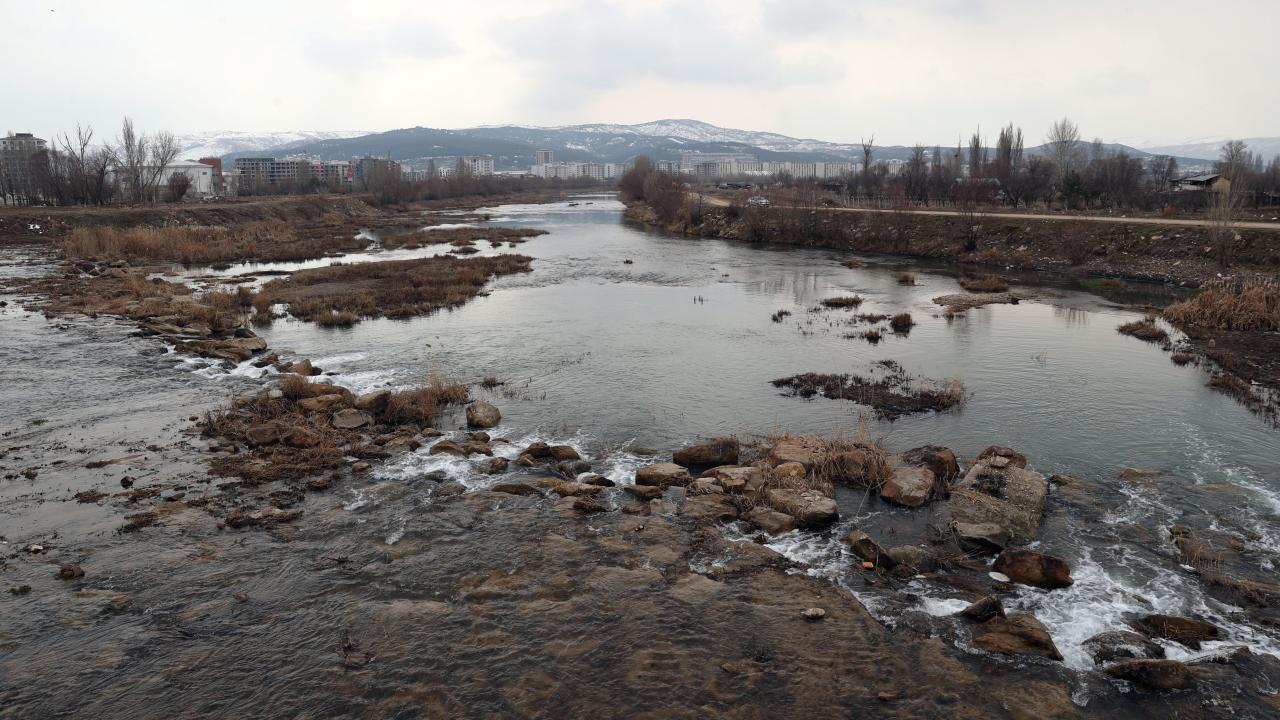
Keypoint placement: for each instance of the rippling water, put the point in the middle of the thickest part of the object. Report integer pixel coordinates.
(604, 354)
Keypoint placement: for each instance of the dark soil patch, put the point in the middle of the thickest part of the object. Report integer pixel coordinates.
(892, 396)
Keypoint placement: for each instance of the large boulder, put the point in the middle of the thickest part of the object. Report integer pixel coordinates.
(915, 558)
(663, 475)
(908, 486)
(1154, 674)
(720, 451)
(1018, 634)
(1184, 631)
(259, 435)
(323, 403)
(643, 492)
(566, 489)
(1032, 568)
(482, 415)
(771, 521)
(350, 419)
(1013, 457)
(810, 508)
(987, 538)
(1113, 645)
(561, 453)
(1011, 497)
(940, 460)
(710, 508)
(739, 479)
(373, 402)
(869, 550)
(805, 451)
(983, 609)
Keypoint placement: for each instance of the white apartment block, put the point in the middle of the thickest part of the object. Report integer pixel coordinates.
(479, 164)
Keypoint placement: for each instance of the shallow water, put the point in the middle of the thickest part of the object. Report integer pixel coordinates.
(605, 355)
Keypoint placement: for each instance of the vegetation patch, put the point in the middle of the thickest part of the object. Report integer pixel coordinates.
(842, 303)
(1145, 329)
(988, 284)
(268, 240)
(1251, 306)
(780, 315)
(902, 323)
(906, 278)
(892, 395)
(397, 289)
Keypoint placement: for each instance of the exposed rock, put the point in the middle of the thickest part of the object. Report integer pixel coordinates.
(564, 452)
(573, 468)
(644, 492)
(914, 557)
(1232, 570)
(810, 508)
(373, 402)
(479, 436)
(663, 475)
(908, 486)
(1139, 473)
(575, 488)
(705, 486)
(1015, 458)
(259, 435)
(447, 447)
(498, 465)
(1115, 645)
(538, 451)
(789, 470)
(981, 537)
(322, 403)
(1017, 634)
(587, 504)
(516, 489)
(740, 479)
(70, 571)
(710, 508)
(798, 450)
(940, 460)
(771, 521)
(304, 368)
(1032, 568)
(813, 614)
(401, 444)
(320, 483)
(987, 608)
(360, 467)
(867, 549)
(266, 517)
(593, 479)
(482, 415)
(720, 451)
(1154, 674)
(1011, 497)
(351, 419)
(301, 437)
(1184, 631)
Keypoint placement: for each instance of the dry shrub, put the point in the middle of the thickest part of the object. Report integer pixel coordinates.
(1182, 358)
(780, 315)
(872, 336)
(1253, 305)
(906, 278)
(201, 245)
(902, 323)
(851, 301)
(295, 386)
(988, 284)
(1145, 329)
(423, 405)
(334, 318)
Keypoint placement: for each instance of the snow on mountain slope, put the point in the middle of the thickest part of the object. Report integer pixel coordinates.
(1210, 149)
(698, 131)
(219, 143)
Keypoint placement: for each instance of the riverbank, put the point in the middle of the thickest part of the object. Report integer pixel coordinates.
(383, 584)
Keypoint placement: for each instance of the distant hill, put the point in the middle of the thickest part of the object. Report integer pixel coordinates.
(1268, 147)
(513, 146)
(217, 144)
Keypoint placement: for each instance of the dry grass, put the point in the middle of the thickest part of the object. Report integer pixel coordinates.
(424, 405)
(1254, 306)
(335, 319)
(848, 302)
(988, 284)
(902, 323)
(1145, 329)
(200, 245)
(892, 396)
(780, 315)
(906, 278)
(1182, 358)
(872, 336)
(396, 289)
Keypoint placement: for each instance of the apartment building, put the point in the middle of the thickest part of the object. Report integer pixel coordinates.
(544, 157)
(20, 155)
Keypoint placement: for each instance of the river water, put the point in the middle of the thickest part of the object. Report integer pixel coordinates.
(620, 337)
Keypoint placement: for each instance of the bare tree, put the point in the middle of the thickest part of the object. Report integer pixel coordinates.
(1225, 197)
(177, 186)
(140, 160)
(868, 147)
(1063, 139)
(163, 151)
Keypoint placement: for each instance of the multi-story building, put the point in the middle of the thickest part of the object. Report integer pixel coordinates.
(263, 172)
(370, 168)
(219, 185)
(478, 164)
(544, 157)
(334, 173)
(20, 155)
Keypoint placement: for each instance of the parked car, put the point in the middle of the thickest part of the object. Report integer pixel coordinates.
(758, 201)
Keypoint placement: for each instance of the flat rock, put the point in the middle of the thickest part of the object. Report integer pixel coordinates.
(482, 415)
(1154, 674)
(710, 508)
(1018, 634)
(771, 521)
(1113, 645)
(663, 475)
(869, 550)
(810, 508)
(1032, 568)
(350, 419)
(908, 486)
(1182, 630)
(719, 451)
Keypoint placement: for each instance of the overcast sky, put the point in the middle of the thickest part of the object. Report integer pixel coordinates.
(1143, 71)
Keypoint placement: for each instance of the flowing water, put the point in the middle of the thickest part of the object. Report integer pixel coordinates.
(619, 338)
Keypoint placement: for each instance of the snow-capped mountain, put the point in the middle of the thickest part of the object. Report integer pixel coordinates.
(219, 143)
(1210, 148)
